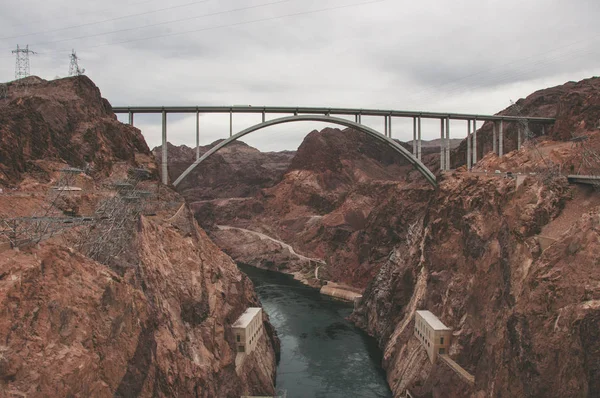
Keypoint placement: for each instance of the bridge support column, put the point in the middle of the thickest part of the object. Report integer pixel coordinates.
(130, 118)
(474, 142)
(359, 118)
(230, 123)
(543, 129)
(442, 145)
(385, 122)
(165, 167)
(263, 117)
(448, 143)
(469, 143)
(518, 137)
(390, 126)
(419, 138)
(495, 137)
(197, 135)
(500, 139)
(414, 137)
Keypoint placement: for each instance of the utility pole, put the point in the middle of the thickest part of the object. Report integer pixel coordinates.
(74, 69)
(22, 62)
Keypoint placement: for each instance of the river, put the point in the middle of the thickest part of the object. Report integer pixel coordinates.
(322, 354)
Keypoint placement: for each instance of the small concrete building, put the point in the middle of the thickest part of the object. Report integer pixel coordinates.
(248, 329)
(432, 333)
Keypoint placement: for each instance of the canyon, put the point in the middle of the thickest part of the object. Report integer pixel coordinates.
(474, 251)
(512, 268)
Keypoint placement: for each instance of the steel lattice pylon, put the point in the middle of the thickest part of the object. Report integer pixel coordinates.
(74, 69)
(22, 61)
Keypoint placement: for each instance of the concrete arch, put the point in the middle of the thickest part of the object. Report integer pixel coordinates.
(317, 118)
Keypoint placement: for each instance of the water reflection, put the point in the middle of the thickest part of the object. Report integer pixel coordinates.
(322, 354)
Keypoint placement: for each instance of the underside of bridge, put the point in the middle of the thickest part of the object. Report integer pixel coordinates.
(429, 176)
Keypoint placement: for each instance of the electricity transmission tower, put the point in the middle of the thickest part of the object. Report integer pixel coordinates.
(74, 69)
(22, 62)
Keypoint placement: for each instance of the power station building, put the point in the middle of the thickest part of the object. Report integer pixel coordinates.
(432, 333)
(248, 329)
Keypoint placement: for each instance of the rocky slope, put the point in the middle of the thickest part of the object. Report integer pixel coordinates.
(345, 199)
(237, 170)
(153, 320)
(63, 119)
(575, 105)
(522, 319)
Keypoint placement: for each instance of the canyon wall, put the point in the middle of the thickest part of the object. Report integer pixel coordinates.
(153, 320)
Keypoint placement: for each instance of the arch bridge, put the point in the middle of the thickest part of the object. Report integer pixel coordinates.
(339, 116)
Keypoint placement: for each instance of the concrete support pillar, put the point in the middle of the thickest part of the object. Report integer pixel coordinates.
(448, 143)
(385, 122)
(469, 143)
(130, 118)
(442, 145)
(495, 137)
(390, 126)
(414, 137)
(197, 135)
(474, 142)
(519, 137)
(230, 123)
(263, 117)
(359, 118)
(165, 168)
(501, 139)
(419, 138)
(543, 129)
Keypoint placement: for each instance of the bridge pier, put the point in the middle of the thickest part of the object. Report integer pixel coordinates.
(442, 145)
(500, 139)
(474, 142)
(385, 128)
(130, 118)
(165, 169)
(448, 143)
(419, 138)
(390, 126)
(197, 135)
(469, 143)
(495, 137)
(414, 149)
(263, 117)
(518, 137)
(230, 123)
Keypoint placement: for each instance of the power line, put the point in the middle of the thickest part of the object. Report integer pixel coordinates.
(106, 20)
(78, 14)
(168, 22)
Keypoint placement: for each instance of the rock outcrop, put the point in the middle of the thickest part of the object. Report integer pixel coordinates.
(154, 319)
(236, 171)
(575, 105)
(522, 318)
(63, 119)
(345, 200)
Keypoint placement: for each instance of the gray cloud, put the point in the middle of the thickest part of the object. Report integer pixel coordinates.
(462, 56)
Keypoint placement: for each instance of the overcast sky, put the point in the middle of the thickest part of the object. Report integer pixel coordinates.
(458, 56)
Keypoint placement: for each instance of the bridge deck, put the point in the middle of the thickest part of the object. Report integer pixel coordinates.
(324, 111)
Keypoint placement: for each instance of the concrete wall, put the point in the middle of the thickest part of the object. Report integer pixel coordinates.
(435, 341)
(246, 338)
